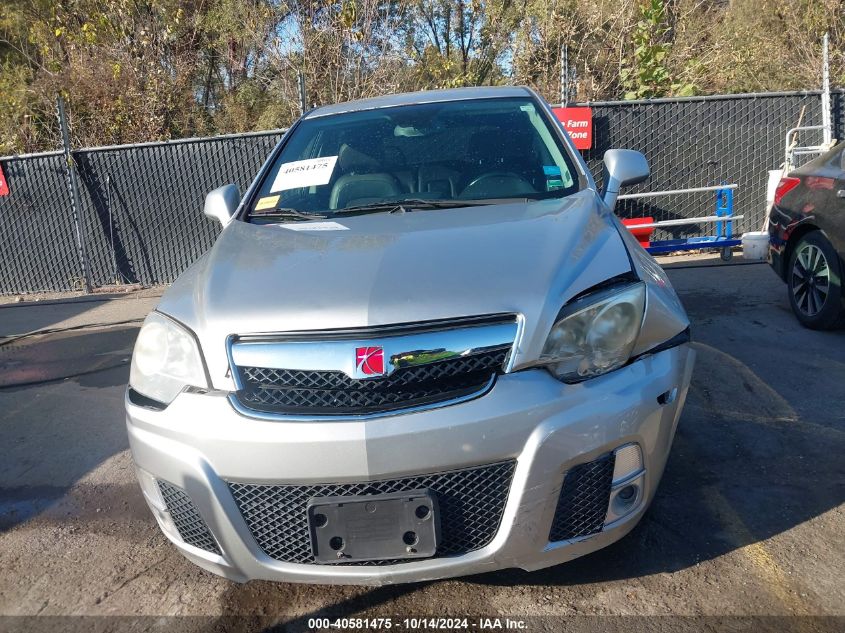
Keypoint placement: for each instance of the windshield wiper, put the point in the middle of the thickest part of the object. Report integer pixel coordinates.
(385, 206)
(288, 214)
(401, 206)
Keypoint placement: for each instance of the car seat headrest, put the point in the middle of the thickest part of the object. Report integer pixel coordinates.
(352, 161)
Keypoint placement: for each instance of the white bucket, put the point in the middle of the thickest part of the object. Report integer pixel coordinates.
(755, 245)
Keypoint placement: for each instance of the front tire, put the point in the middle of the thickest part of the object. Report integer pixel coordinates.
(814, 278)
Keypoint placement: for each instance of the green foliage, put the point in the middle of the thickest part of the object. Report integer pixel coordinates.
(648, 74)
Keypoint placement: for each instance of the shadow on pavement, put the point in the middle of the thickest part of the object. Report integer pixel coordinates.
(65, 419)
(29, 316)
(40, 359)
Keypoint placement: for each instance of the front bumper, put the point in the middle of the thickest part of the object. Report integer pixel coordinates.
(201, 445)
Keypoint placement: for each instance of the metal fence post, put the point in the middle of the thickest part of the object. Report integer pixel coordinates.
(303, 100)
(73, 185)
(564, 75)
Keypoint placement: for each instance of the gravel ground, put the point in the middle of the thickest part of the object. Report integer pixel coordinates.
(748, 521)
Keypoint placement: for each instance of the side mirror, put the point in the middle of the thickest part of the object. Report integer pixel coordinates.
(622, 167)
(222, 203)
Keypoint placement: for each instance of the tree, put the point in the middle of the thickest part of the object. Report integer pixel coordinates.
(141, 70)
(594, 32)
(454, 43)
(647, 71)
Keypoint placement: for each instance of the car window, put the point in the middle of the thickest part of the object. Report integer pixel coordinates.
(485, 149)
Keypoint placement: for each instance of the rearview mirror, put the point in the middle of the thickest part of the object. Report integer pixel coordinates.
(622, 167)
(222, 203)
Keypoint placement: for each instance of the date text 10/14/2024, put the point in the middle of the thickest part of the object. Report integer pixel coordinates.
(417, 624)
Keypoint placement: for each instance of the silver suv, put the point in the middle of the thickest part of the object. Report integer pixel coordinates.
(422, 346)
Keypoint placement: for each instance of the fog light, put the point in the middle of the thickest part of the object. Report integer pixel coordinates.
(627, 493)
(628, 462)
(624, 500)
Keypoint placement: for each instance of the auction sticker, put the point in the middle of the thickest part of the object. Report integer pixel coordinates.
(269, 202)
(304, 173)
(314, 226)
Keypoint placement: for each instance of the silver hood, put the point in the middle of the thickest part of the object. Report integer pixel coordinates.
(524, 258)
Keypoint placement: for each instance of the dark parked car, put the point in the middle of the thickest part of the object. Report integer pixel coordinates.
(807, 239)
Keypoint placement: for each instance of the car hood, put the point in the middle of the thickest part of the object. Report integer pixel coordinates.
(377, 269)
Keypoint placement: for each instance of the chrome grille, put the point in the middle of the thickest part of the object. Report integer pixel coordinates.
(187, 519)
(471, 503)
(335, 393)
(584, 497)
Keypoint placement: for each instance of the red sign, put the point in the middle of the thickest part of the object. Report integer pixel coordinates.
(579, 123)
(4, 186)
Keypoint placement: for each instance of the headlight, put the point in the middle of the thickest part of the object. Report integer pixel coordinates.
(596, 334)
(166, 360)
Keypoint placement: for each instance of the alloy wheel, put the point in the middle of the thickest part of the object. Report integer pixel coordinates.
(810, 279)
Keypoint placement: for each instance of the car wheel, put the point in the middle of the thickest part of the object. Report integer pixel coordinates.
(814, 278)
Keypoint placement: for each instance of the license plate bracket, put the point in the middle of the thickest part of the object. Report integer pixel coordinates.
(401, 525)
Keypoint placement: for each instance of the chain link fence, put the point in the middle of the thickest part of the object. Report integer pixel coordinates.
(140, 211)
(702, 142)
(141, 215)
(37, 244)
(142, 204)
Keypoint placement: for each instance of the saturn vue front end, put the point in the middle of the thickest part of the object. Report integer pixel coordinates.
(421, 347)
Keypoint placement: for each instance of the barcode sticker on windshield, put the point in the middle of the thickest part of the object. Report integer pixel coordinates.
(314, 226)
(304, 173)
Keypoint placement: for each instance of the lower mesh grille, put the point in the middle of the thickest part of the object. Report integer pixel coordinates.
(471, 502)
(584, 496)
(189, 523)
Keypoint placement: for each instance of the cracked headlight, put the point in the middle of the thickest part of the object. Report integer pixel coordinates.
(166, 359)
(595, 334)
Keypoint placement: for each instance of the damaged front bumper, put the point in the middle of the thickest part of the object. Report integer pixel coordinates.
(538, 455)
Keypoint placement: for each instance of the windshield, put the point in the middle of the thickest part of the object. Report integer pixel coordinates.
(434, 155)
